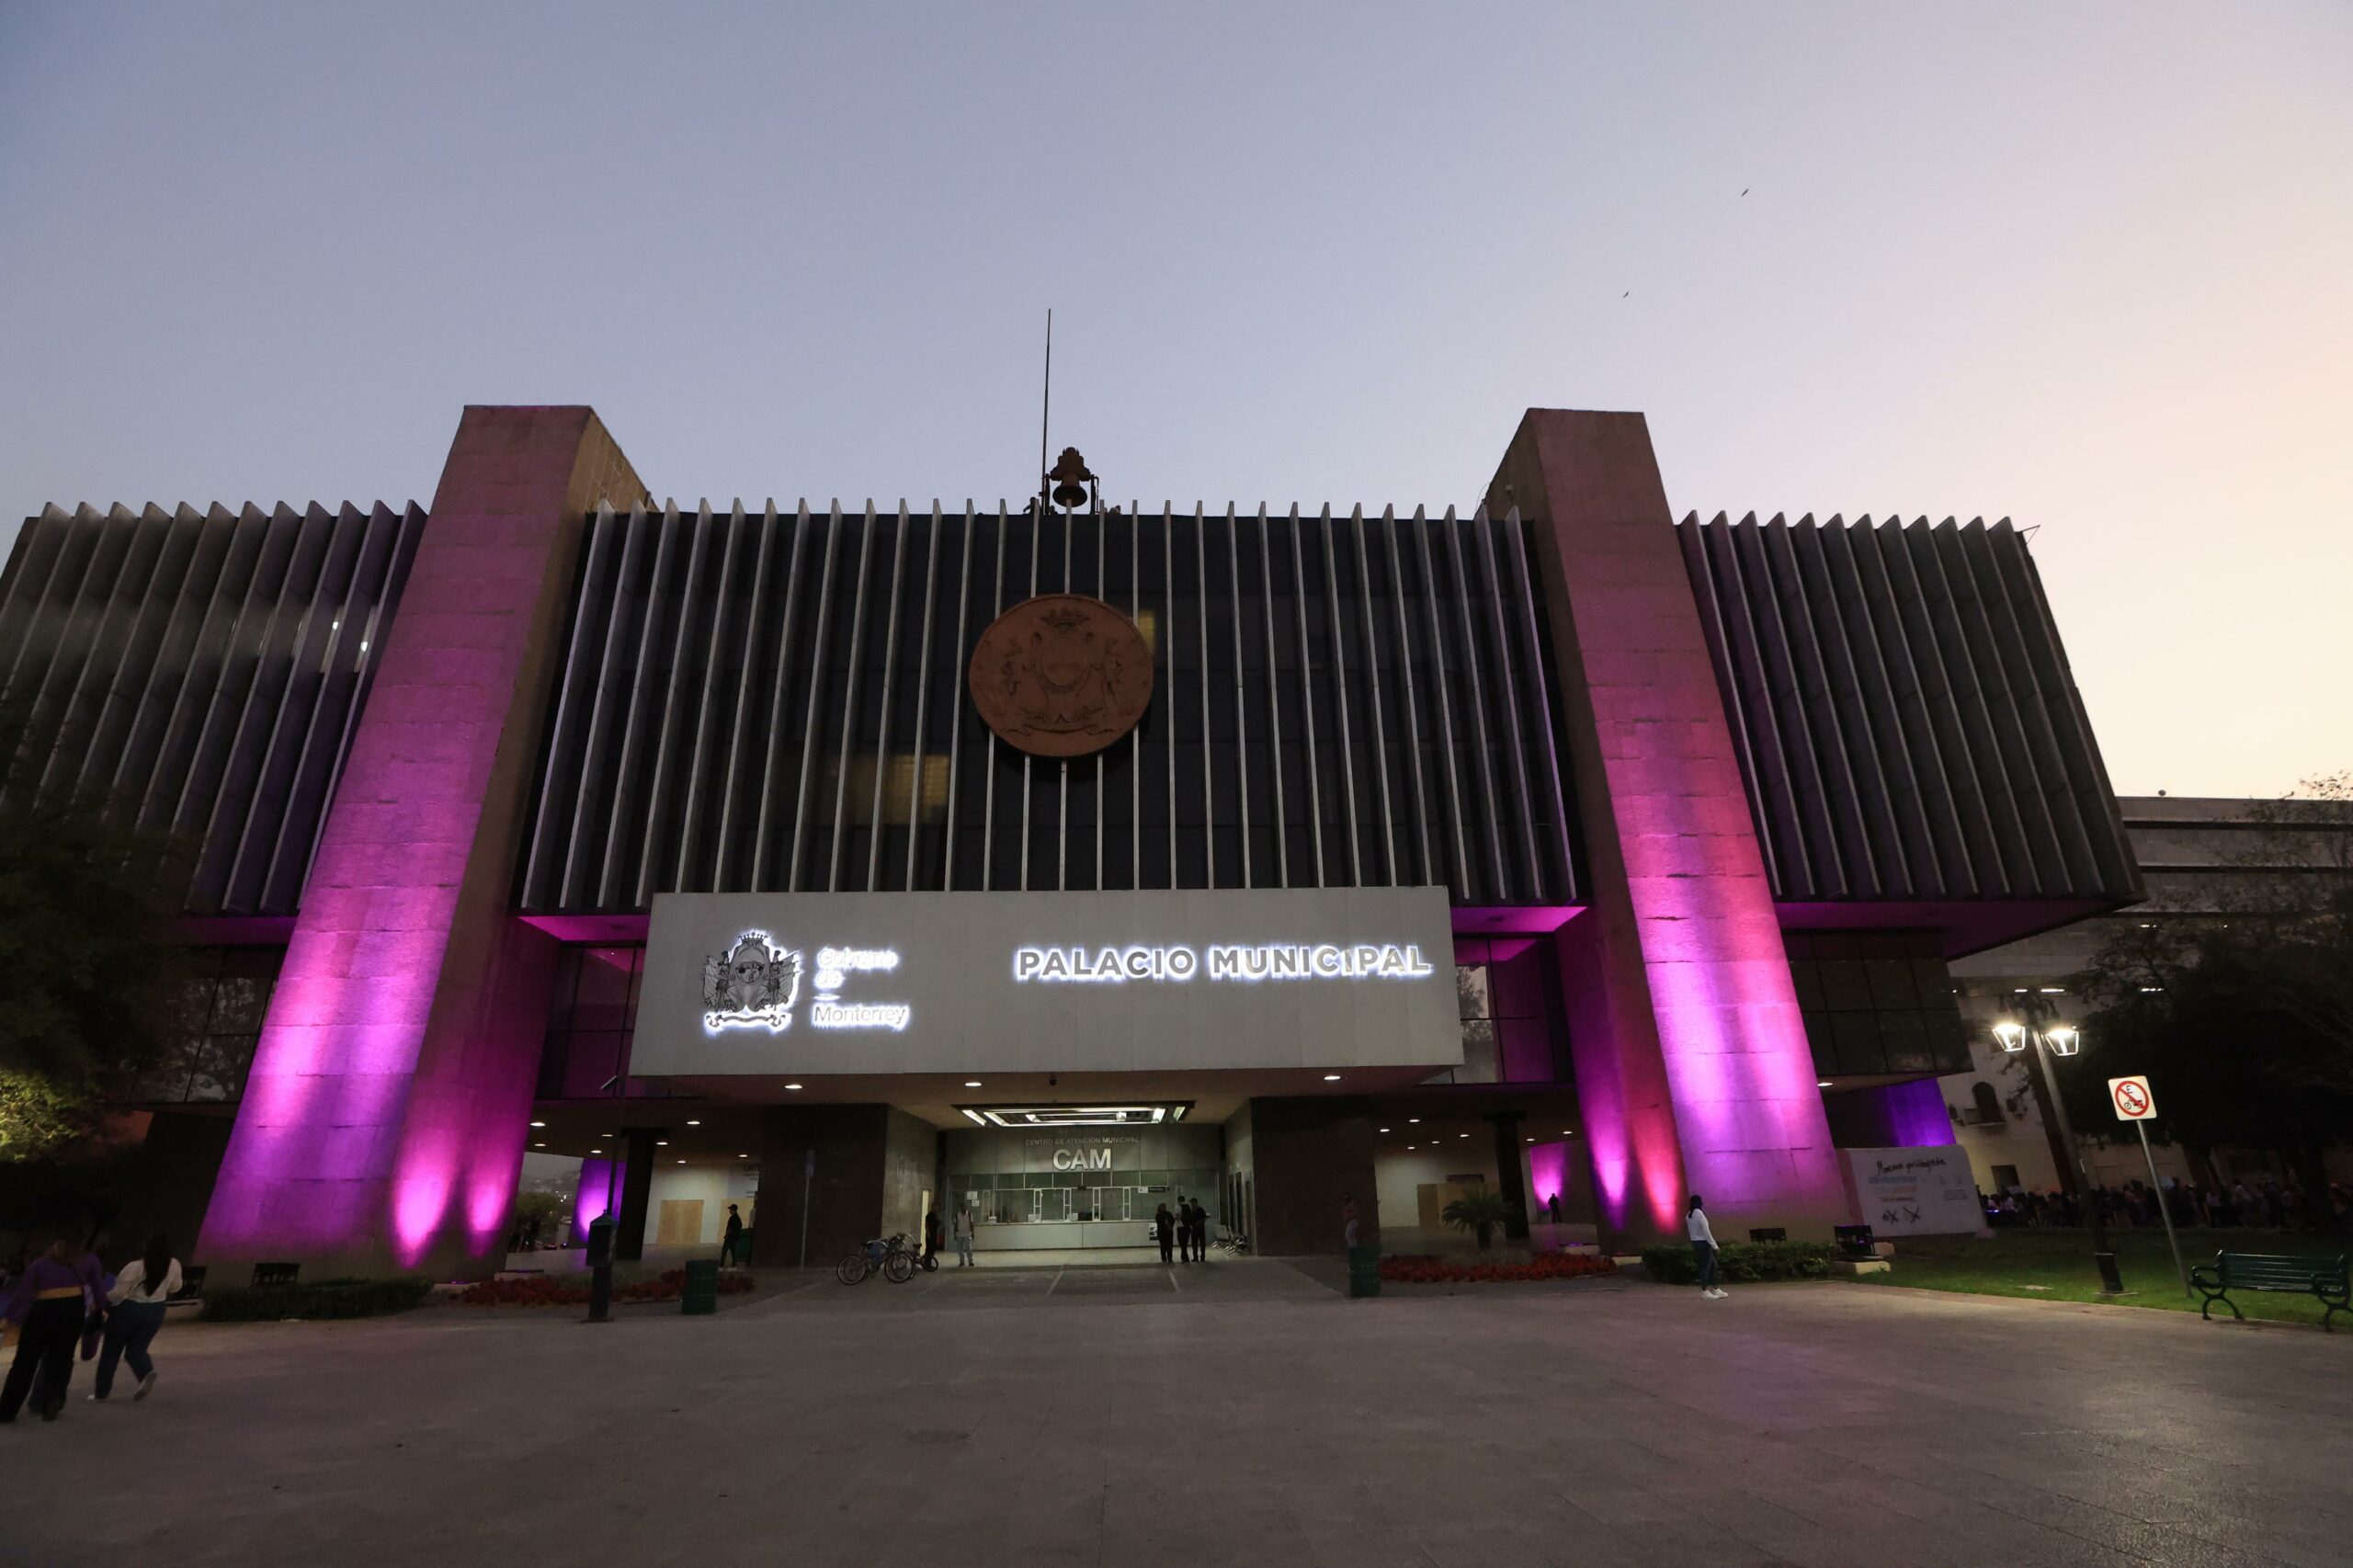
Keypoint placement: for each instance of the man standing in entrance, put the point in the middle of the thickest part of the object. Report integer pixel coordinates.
(963, 1235)
(1164, 1226)
(731, 1241)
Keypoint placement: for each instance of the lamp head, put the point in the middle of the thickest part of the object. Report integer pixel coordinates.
(2065, 1040)
(2010, 1035)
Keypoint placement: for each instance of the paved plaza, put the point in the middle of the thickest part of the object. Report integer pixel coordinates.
(1241, 1411)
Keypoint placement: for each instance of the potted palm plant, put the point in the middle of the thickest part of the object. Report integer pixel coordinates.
(1480, 1212)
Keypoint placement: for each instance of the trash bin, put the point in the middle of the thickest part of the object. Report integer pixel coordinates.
(701, 1294)
(1364, 1271)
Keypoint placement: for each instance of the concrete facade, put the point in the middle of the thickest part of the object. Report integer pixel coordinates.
(382, 1123)
(1692, 1061)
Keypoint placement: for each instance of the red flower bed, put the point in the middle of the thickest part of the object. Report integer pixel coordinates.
(541, 1291)
(1428, 1270)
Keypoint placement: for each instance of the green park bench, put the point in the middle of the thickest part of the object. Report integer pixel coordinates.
(2324, 1279)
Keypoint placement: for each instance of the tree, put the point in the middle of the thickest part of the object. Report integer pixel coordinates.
(88, 972)
(2242, 1015)
(1479, 1209)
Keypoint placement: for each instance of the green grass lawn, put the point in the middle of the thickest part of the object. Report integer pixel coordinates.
(2056, 1266)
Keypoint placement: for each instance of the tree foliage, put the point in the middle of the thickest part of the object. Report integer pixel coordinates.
(2241, 1015)
(87, 969)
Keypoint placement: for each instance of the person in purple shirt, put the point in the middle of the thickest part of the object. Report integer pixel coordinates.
(52, 1299)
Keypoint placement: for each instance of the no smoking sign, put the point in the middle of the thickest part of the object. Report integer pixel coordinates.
(2131, 1098)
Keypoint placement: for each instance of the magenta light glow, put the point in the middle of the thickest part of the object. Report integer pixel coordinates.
(384, 1118)
(1548, 1171)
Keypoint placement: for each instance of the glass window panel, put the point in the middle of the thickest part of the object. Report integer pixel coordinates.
(1470, 987)
(1479, 1064)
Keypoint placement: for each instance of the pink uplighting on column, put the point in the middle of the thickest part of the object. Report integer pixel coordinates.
(1684, 1018)
(1548, 1172)
(383, 1122)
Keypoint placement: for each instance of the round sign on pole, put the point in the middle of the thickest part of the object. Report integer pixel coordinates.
(2131, 1098)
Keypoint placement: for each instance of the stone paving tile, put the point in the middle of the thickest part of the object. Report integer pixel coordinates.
(1246, 1414)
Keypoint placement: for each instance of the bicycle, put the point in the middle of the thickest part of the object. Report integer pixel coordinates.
(1233, 1242)
(888, 1255)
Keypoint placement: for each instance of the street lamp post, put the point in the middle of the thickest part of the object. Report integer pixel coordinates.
(2047, 1041)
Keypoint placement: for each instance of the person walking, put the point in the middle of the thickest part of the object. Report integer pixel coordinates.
(964, 1236)
(1164, 1226)
(141, 1291)
(53, 1297)
(731, 1239)
(1704, 1245)
(1200, 1232)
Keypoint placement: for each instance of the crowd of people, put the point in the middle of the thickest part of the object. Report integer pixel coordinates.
(2267, 1203)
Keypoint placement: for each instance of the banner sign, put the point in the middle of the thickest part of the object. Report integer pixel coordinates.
(1915, 1192)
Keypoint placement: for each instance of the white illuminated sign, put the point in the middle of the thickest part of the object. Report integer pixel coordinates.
(755, 984)
(1255, 962)
(1082, 1159)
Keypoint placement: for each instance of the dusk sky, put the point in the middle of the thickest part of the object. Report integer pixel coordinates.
(2085, 266)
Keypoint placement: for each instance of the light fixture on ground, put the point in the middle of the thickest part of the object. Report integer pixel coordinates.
(2049, 1038)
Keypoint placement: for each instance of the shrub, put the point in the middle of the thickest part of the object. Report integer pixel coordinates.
(1423, 1270)
(323, 1298)
(1480, 1210)
(541, 1291)
(1741, 1263)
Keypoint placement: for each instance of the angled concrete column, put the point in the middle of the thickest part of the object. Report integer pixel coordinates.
(1692, 1064)
(383, 1122)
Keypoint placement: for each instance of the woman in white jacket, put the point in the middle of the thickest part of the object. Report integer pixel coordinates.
(140, 1291)
(1703, 1243)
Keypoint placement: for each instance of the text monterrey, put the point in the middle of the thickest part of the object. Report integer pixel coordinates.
(1362, 961)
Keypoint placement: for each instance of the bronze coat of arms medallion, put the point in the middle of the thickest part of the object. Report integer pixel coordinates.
(1060, 675)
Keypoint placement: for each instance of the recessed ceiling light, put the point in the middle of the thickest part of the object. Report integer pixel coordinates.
(682, 1161)
(1462, 1135)
(742, 1156)
(539, 1145)
(1411, 1119)
(1331, 1077)
(661, 1142)
(694, 1124)
(1384, 1129)
(792, 1085)
(595, 1151)
(1531, 1140)
(1822, 1083)
(538, 1124)
(972, 1083)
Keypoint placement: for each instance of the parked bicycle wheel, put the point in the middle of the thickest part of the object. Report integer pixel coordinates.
(853, 1269)
(899, 1267)
(931, 1263)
